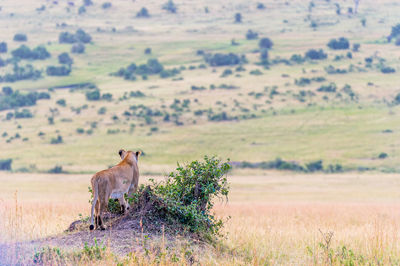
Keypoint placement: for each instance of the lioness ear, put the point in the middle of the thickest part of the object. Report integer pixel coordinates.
(138, 153)
(121, 153)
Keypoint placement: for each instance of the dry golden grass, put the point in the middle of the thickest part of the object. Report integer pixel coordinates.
(271, 223)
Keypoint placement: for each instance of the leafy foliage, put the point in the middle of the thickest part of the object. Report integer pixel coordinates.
(58, 70)
(20, 37)
(185, 199)
(24, 52)
(78, 48)
(64, 58)
(170, 7)
(339, 44)
(5, 164)
(3, 47)
(79, 36)
(251, 35)
(143, 13)
(316, 54)
(265, 43)
(220, 59)
(12, 99)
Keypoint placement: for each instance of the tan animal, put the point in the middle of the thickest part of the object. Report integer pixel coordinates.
(114, 182)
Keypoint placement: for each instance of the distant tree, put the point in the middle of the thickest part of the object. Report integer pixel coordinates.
(20, 37)
(251, 35)
(260, 6)
(78, 48)
(220, 59)
(143, 13)
(264, 55)
(93, 95)
(238, 18)
(81, 10)
(265, 43)
(82, 36)
(87, 2)
(106, 5)
(395, 32)
(339, 44)
(397, 41)
(364, 22)
(3, 47)
(316, 54)
(64, 58)
(7, 90)
(66, 37)
(356, 3)
(61, 102)
(170, 6)
(5, 164)
(58, 70)
(356, 47)
(2, 62)
(338, 9)
(24, 52)
(147, 50)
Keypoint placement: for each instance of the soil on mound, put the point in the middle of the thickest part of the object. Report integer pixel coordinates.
(124, 233)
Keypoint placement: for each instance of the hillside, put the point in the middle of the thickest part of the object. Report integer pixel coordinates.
(181, 100)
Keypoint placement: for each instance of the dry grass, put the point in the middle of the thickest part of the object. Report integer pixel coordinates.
(270, 222)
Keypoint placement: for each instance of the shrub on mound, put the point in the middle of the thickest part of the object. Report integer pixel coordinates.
(182, 203)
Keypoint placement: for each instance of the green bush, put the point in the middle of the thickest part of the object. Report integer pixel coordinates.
(79, 36)
(251, 35)
(24, 52)
(339, 44)
(12, 99)
(93, 95)
(57, 140)
(238, 18)
(315, 166)
(331, 87)
(143, 13)
(56, 170)
(388, 70)
(185, 199)
(78, 48)
(106, 5)
(170, 7)
(64, 58)
(20, 37)
(58, 70)
(61, 102)
(3, 47)
(220, 59)
(265, 43)
(316, 54)
(5, 164)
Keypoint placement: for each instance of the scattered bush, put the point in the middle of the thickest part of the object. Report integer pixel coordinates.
(395, 32)
(251, 35)
(198, 88)
(356, 47)
(388, 70)
(227, 72)
(170, 7)
(143, 13)
(24, 52)
(58, 70)
(238, 18)
(80, 130)
(21, 73)
(339, 44)
(5, 164)
(328, 88)
(102, 111)
(79, 36)
(13, 99)
(265, 43)
(20, 37)
(61, 102)
(64, 58)
(87, 2)
(260, 6)
(219, 59)
(382, 155)
(93, 95)
(106, 96)
(56, 140)
(185, 199)
(82, 10)
(78, 48)
(315, 166)
(316, 54)
(106, 5)
(3, 47)
(56, 170)
(25, 113)
(297, 59)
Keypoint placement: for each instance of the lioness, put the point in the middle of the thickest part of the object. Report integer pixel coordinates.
(116, 181)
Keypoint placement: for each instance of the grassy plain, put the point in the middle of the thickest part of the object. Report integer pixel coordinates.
(275, 218)
(321, 127)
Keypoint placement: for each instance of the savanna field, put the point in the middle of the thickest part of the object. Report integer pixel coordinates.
(302, 97)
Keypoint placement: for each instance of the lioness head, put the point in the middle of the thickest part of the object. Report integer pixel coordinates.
(130, 155)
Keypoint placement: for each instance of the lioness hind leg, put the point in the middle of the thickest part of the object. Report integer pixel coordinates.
(124, 205)
(103, 208)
